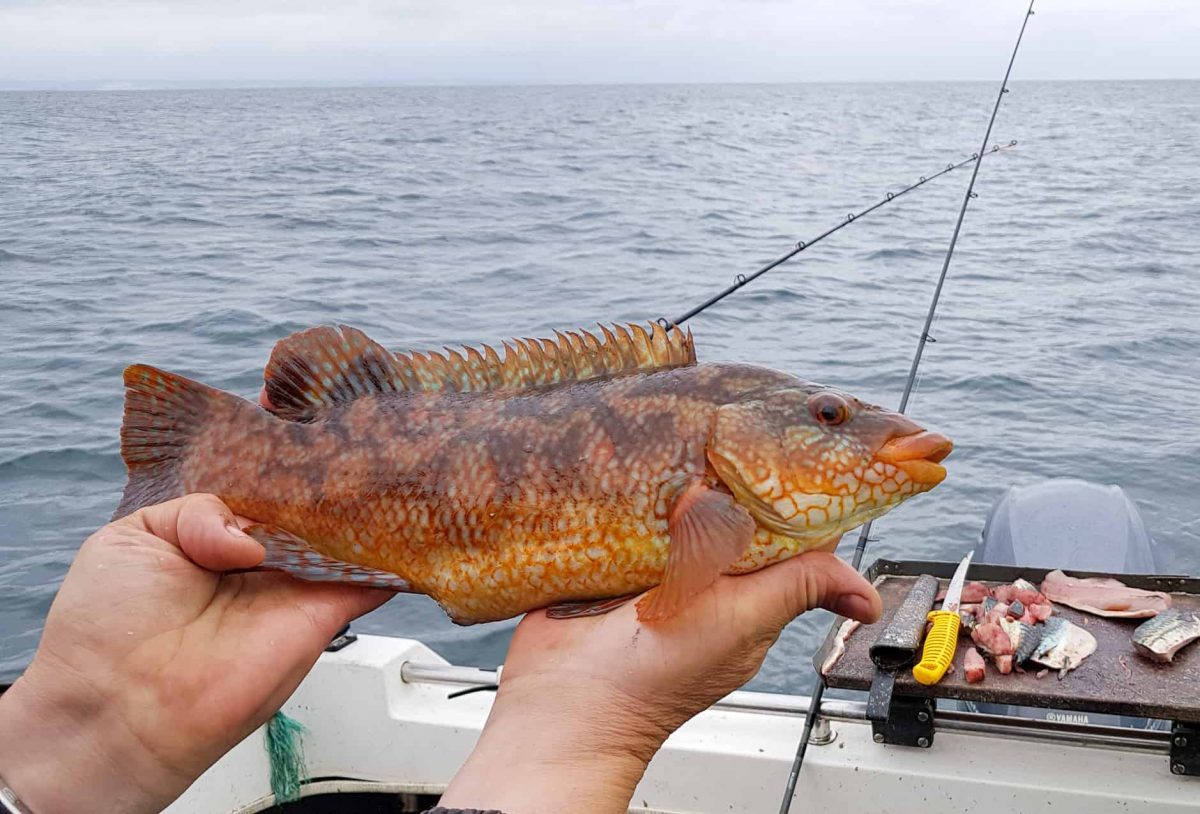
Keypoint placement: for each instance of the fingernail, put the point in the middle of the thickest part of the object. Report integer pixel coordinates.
(853, 606)
(235, 531)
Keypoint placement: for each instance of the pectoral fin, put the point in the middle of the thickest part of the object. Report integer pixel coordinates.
(709, 532)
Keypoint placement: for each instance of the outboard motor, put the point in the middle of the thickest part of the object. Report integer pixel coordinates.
(1073, 525)
(1070, 524)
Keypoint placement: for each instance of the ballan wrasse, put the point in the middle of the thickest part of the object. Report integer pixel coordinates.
(573, 472)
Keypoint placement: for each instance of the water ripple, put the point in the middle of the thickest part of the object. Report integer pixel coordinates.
(193, 229)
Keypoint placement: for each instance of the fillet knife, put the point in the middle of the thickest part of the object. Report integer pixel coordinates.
(938, 652)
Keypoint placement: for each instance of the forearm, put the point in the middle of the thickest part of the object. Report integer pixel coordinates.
(562, 750)
(70, 755)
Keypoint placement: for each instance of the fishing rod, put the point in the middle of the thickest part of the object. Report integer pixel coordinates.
(743, 279)
(814, 707)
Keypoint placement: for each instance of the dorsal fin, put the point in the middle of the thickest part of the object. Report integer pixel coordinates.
(315, 369)
(575, 356)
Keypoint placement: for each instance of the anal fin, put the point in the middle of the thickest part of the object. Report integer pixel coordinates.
(288, 553)
(593, 607)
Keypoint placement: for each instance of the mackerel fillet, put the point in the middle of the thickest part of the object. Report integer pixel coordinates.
(573, 472)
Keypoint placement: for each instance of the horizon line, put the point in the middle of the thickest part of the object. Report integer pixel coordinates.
(136, 85)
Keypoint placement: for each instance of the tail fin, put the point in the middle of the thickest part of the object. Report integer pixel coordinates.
(163, 414)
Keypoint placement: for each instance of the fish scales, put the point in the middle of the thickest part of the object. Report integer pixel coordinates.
(469, 489)
(498, 500)
(1164, 635)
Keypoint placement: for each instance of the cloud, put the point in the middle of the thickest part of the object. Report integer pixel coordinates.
(590, 40)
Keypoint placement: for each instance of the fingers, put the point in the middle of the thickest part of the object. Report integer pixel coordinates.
(328, 606)
(813, 580)
(830, 546)
(205, 530)
(342, 604)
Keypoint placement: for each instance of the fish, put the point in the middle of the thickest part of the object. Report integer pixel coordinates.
(1025, 638)
(1160, 638)
(998, 612)
(992, 640)
(974, 593)
(1040, 611)
(838, 649)
(1103, 596)
(1029, 637)
(573, 473)
(1003, 593)
(974, 666)
(1027, 593)
(1064, 645)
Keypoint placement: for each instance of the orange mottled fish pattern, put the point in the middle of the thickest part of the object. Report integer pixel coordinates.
(492, 505)
(509, 497)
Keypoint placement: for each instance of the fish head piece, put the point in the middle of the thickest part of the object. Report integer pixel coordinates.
(811, 462)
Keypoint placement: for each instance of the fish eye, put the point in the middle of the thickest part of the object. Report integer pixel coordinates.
(829, 409)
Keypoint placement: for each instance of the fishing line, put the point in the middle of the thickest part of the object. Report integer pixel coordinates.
(814, 707)
(743, 279)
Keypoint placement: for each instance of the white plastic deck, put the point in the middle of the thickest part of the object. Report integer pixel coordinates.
(365, 723)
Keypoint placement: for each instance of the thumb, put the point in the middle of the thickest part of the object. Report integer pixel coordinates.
(204, 528)
(813, 580)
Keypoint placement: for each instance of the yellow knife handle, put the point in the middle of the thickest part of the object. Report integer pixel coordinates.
(938, 653)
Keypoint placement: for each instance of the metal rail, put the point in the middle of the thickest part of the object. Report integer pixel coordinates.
(971, 723)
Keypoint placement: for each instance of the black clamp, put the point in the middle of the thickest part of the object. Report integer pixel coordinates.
(1185, 749)
(899, 720)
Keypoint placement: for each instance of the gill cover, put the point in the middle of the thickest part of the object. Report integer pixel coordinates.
(796, 458)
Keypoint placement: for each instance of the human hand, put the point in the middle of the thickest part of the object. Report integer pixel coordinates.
(585, 703)
(153, 664)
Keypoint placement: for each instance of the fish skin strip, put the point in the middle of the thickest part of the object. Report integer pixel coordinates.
(1102, 596)
(839, 644)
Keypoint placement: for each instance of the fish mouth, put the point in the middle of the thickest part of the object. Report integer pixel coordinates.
(919, 455)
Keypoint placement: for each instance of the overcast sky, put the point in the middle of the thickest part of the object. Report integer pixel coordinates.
(568, 41)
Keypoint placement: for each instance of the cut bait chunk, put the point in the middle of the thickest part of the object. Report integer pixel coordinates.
(1160, 638)
(1064, 646)
(973, 666)
(974, 592)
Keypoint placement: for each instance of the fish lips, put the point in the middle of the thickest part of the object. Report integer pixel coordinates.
(919, 455)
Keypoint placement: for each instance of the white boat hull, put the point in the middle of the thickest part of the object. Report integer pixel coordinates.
(367, 728)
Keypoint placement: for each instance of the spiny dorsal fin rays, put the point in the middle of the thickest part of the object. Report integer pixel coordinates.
(570, 357)
(315, 370)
